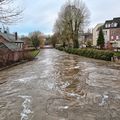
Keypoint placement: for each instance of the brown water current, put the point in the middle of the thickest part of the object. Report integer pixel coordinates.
(60, 86)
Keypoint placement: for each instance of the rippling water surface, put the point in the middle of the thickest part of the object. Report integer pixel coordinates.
(60, 86)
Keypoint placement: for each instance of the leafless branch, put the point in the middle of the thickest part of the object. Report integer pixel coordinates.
(74, 15)
(8, 13)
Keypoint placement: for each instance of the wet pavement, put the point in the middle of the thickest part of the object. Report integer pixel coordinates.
(59, 86)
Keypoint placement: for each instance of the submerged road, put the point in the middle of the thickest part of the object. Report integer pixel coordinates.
(60, 86)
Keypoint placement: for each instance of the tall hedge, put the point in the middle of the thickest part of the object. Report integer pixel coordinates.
(91, 53)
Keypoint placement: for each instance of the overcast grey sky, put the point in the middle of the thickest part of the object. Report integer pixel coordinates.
(41, 14)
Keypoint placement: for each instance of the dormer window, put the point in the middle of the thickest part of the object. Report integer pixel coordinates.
(112, 24)
(106, 25)
(115, 24)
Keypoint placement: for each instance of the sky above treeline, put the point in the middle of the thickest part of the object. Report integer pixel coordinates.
(42, 14)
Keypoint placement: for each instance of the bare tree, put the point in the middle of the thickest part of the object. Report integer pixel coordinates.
(71, 20)
(60, 33)
(9, 13)
(38, 38)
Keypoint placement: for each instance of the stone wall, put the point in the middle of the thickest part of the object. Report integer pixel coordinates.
(8, 57)
(115, 59)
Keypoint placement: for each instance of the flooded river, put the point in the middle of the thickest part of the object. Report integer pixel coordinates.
(60, 86)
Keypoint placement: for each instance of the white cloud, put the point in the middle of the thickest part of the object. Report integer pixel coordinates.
(41, 14)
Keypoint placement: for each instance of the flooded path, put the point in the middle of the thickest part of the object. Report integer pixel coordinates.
(59, 86)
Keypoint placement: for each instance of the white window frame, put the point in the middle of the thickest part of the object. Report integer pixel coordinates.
(115, 24)
(106, 26)
(117, 37)
(112, 37)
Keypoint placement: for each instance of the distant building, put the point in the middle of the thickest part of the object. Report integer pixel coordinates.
(27, 43)
(84, 38)
(87, 36)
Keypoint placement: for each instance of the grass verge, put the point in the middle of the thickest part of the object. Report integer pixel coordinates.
(34, 53)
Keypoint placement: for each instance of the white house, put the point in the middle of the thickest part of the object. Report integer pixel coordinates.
(96, 33)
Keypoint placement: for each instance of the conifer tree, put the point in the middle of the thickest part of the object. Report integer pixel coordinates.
(100, 40)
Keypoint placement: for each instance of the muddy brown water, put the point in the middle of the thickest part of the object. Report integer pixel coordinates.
(60, 86)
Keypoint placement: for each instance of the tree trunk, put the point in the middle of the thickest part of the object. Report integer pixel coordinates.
(75, 40)
(64, 44)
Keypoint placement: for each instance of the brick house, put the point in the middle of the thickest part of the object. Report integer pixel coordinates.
(11, 48)
(111, 30)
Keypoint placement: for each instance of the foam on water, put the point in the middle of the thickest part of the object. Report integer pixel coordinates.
(26, 107)
(26, 79)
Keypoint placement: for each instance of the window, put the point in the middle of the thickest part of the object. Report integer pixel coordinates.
(112, 37)
(106, 25)
(21, 45)
(115, 24)
(117, 37)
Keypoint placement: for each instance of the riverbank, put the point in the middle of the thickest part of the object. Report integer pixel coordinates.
(28, 57)
(12, 65)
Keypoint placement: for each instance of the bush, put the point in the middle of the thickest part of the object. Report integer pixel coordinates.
(117, 54)
(92, 53)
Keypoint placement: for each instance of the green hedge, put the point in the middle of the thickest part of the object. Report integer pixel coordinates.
(117, 54)
(91, 53)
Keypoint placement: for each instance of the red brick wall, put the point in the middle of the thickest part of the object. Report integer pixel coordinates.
(113, 33)
(18, 55)
(7, 56)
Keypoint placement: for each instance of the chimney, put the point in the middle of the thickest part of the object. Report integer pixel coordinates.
(5, 32)
(16, 36)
